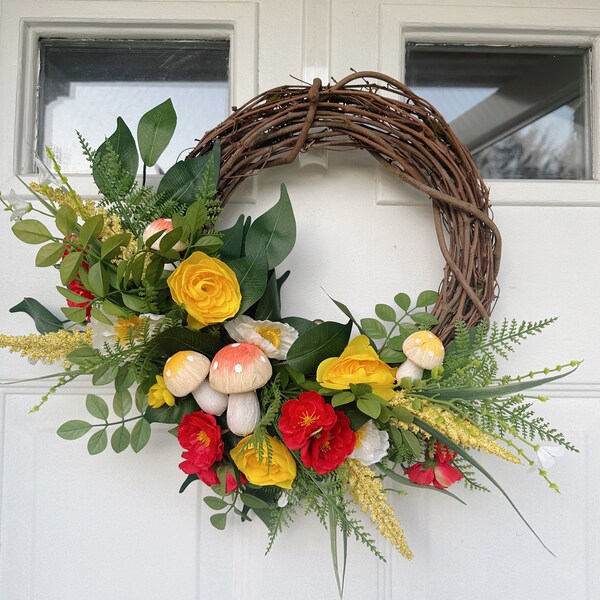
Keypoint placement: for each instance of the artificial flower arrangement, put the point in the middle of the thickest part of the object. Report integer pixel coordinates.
(276, 415)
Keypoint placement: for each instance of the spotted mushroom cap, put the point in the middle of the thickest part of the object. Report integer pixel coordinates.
(185, 371)
(424, 349)
(239, 368)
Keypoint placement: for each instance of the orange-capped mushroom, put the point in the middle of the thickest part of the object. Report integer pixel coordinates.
(239, 368)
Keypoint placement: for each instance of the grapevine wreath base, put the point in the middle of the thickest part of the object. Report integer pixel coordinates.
(405, 134)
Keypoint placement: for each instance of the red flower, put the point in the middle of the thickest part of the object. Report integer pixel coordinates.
(200, 435)
(77, 287)
(436, 470)
(328, 449)
(303, 417)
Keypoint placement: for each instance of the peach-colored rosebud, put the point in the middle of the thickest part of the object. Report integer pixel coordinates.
(164, 225)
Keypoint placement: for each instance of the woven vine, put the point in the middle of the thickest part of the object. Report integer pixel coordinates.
(404, 133)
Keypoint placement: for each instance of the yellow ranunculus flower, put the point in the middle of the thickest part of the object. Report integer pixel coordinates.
(207, 288)
(158, 394)
(358, 363)
(281, 471)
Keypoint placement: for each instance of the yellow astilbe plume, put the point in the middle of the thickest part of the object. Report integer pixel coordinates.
(458, 430)
(47, 347)
(367, 490)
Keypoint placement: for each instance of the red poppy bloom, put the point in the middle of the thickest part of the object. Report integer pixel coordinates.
(436, 470)
(304, 416)
(328, 449)
(200, 435)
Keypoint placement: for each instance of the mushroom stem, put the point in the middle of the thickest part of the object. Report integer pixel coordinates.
(409, 369)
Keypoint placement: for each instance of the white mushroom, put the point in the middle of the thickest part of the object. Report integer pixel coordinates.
(209, 400)
(185, 371)
(243, 413)
(423, 350)
(239, 368)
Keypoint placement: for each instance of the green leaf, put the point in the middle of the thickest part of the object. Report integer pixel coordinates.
(141, 399)
(170, 239)
(318, 343)
(402, 300)
(120, 439)
(424, 320)
(123, 144)
(219, 521)
(31, 231)
(275, 230)
(299, 324)
(111, 246)
(97, 407)
(360, 389)
(125, 378)
(251, 273)
(493, 391)
(342, 398)
(122, 403)
(396, 342)
(49, 254)
(45, 321)
(92, 228)
(69, 295)
(171, 414)
(253, 501)
(104, 374)
(209, 244)
(385, 312)
(77, 315)
(373, 328)
(135, 303)
(412, 442)
(427, 298)
(66, 220)
(140, 434)
(188, 480)
(84, 356)
(461, 452)
(369, 406)
(175, 339)
(98, 278)
(184, 179)
(72, 430)
(233, 240)
(98, 442)
(100, 316)
(196, 216)
(155, 131)
(403, 414)
(69, 266)
(215, 503)
(390, 356)
(269, 306)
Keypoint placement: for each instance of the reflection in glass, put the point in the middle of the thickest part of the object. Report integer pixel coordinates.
(86, 84)
(523, 112)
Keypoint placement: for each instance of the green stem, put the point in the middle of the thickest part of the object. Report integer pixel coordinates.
(121, 422)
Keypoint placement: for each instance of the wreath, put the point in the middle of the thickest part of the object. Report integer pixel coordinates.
(279, 414)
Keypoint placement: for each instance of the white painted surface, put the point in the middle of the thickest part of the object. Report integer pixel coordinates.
(112, 527)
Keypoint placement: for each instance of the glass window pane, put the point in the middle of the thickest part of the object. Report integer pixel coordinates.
(523, 112)
(87, 84)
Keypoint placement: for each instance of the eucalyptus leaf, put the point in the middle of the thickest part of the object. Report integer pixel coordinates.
(215, 503)
(49, 254)
(140, 434)
(98, 442)
(219, 521)
(31, 231)
(97, 407)
(120, 439)
(253, 501)
(72, 430)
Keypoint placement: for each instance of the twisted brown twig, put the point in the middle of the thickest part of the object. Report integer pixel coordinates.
(407, 136)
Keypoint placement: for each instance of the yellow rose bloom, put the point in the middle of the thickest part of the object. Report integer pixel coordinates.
(158, 394)
(207, 288)
(358, 363)
(281, 471)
